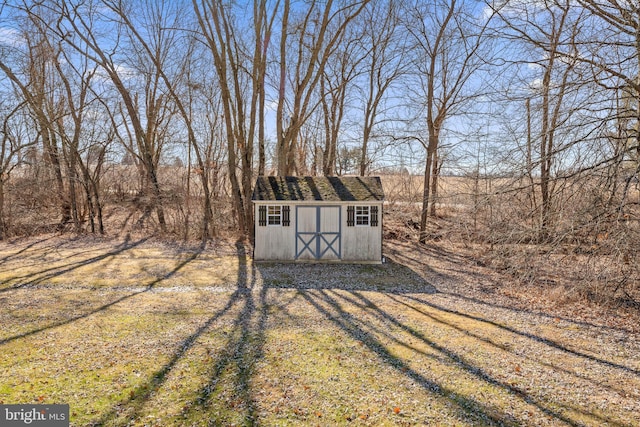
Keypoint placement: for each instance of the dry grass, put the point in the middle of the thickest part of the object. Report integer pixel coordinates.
(149, 334)
(590, 255)
(105, 265)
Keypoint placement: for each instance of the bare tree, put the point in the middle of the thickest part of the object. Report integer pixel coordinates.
(383, 65)
(447, 44)
(610, 47)
(33, 83)
(308, 38)
(155, 44)
(145, 121)
(59, 93)
(335, 85)
(551, 35)
(242, 108)
(12, 145)
(263, 30)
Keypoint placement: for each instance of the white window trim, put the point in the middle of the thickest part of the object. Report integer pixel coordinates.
(362, 216)
(271, 215)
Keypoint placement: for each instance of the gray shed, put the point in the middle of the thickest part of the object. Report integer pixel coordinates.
(337, 219)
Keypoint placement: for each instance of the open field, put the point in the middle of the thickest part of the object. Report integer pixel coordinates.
(143, 333)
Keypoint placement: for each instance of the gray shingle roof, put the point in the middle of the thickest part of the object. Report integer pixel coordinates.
(311, 188)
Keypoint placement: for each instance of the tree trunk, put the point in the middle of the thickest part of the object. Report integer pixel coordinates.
(50, 147)
(435, 173)
(426, 195)
(156, 194)
(365, 147)
(3, 224)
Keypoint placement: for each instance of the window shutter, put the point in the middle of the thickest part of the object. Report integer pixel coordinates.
(350, 216)
(285, 216)
(374, 216)
(262, 212)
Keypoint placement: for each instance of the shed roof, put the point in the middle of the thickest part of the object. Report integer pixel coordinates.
(311, 188)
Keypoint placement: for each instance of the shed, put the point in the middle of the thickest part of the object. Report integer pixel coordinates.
(334, 219)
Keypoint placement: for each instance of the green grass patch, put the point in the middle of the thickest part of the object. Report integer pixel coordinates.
(104, 266)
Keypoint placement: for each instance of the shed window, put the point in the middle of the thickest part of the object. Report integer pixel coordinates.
(362, 215)
(274, 215)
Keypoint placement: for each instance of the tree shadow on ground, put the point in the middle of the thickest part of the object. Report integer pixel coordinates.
(49, 273)
(24, 249)
(325, 289)
(227, 396)
(337, 293)
(464, 271)
(419, 257)
(46, 273)
(327, 303)
(243, 349)
(419, 305)
(332, 305)
(548, 342)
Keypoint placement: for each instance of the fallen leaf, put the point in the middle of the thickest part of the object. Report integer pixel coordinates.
(518, 369)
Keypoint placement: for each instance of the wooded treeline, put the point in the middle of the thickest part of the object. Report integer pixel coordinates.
(536, 103)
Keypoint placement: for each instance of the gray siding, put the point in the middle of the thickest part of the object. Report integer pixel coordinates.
(362, 243)
(356, 244)
(274, 242)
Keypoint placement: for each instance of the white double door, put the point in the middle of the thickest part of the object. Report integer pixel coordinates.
(318, 232)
